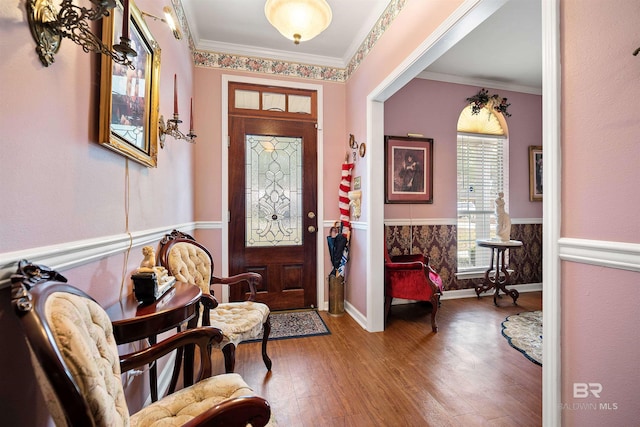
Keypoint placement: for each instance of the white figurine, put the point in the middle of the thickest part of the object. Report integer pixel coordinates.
(504, 221)
(148, 265)
(149, 260)
(354, 201)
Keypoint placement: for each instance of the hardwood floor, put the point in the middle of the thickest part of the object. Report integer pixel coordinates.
(465, 375)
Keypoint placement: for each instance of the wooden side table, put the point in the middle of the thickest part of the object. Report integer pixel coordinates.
(133, 321)
(500, 278)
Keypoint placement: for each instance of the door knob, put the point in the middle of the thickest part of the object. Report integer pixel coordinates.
(311, 229)
(311, 215)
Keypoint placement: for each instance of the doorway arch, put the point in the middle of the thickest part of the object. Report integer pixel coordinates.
(463, 21)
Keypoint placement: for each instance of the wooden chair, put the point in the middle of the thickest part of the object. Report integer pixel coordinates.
(75, 356)
(189, 261)
(411, 277)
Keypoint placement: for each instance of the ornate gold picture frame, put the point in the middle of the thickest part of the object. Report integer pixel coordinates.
(129, 97)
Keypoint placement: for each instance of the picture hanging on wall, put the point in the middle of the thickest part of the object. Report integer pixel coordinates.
(129, 95)
(408, 169)
(535, 173)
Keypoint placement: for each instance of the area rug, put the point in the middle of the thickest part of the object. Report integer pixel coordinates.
(523, 331)
(296, 324)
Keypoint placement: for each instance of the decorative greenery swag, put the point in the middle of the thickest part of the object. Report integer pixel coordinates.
(483, 99)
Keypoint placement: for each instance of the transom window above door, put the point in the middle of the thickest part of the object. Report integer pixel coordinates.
(272, 102)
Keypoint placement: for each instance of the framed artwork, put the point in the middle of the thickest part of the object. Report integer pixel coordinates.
(408, 169)
(129, 96)
(535, 173)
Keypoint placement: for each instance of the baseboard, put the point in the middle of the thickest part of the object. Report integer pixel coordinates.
(360, 318)
(471, 293)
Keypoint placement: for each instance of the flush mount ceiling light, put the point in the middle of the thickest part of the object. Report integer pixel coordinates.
(298, 20)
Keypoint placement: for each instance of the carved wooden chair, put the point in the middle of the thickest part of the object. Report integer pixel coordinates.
(189, 261)
(411, 277)
(75, 357)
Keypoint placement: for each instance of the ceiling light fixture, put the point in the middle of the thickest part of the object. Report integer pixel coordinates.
(298, 20)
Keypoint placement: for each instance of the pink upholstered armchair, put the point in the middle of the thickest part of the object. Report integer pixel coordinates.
(410, 277)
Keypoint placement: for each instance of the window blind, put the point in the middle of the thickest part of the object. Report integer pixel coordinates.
(482, 171)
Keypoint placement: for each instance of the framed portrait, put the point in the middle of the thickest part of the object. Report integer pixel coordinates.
(535, 173)
(408, 169)
(129, 96)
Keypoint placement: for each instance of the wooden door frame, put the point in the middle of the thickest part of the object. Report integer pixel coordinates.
(320, 247)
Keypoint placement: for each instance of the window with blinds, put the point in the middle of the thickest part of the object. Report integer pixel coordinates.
(482, 173)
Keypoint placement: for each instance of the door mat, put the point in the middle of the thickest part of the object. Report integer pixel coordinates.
(295, 324)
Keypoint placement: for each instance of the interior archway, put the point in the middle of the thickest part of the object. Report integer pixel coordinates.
(467, 18)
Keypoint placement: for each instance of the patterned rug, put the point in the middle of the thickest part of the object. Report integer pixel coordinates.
(523, 331)
(296, 324)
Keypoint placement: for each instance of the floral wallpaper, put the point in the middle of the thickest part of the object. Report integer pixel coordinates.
(438, 242)
(285, 68)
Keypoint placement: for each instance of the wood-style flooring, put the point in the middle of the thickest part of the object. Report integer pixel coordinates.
(465, 375)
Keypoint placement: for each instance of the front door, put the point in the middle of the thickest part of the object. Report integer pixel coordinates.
(272, 203)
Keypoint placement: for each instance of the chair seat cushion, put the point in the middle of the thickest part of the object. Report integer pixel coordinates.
(182, 406)
(239, 321)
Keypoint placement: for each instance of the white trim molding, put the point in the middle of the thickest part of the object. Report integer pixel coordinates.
(620, 255)
(68, 255)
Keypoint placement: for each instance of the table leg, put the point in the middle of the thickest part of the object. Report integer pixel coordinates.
(501, 281)
(153, 374)
(488, 284)
(176, 367)
(189, 351)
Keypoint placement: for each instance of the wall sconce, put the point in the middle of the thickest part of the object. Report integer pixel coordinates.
(171, 127)
(298, 20)
(49, 25)
(168, 19)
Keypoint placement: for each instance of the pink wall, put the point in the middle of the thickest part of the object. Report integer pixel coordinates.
(63, 186)
(601, 153)
(416, 21)
(601, 169)
(600, 344)
(58, 185)
(432, 109)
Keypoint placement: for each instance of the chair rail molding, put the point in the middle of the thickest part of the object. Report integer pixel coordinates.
(620, 255)
(64, 256)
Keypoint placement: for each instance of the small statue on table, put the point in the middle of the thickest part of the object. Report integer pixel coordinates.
(503, 229)
(148, 273)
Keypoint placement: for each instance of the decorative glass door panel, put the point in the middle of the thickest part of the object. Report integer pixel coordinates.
(273, 191)
(273, 184)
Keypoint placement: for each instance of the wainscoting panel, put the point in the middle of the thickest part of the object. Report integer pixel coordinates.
(439, 243)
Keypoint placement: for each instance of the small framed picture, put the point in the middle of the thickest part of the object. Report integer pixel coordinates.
(408, 169)
(357, 183)
(535, 173)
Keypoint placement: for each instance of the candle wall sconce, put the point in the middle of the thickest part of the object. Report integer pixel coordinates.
(171, 129)
(49, 25)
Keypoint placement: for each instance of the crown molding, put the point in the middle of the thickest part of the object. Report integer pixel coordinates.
(493, 84)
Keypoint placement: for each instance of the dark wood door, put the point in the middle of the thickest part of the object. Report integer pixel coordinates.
(272, 202)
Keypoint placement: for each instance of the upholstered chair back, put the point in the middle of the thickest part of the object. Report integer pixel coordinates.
(191, 264)
(76, 361)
